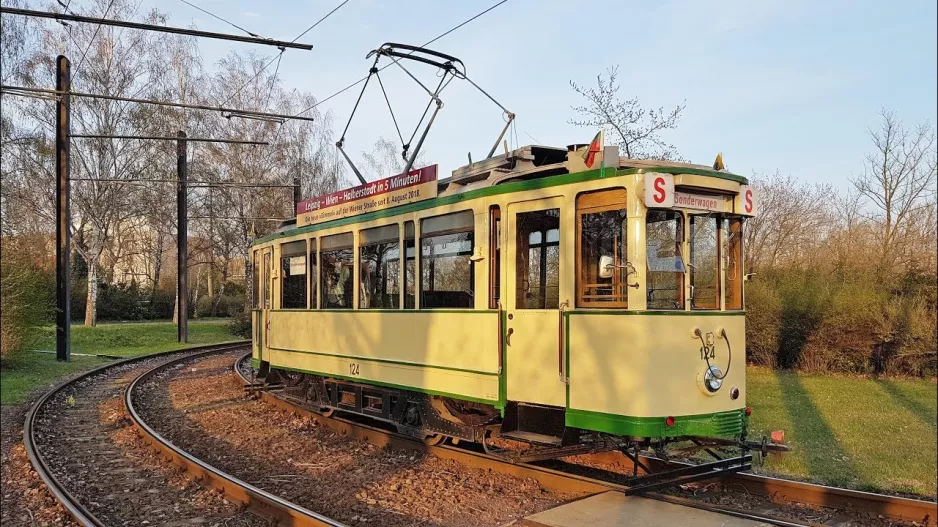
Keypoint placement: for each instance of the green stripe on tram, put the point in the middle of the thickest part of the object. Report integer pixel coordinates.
(507, 188)
(718, 424)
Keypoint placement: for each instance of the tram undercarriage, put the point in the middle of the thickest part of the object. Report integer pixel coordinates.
(432, 419)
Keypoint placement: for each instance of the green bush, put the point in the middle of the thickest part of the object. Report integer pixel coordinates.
(240, 325)
(763, 323)
(814, 321)
(27, 297)
(227, 305)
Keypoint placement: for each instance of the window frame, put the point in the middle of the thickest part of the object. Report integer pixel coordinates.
(543, 247)
(691, 251)
(741, 274)
(421, 261)
(681, 242)
(283, 273)
(358, 261)
(579, 212)
(353, 303)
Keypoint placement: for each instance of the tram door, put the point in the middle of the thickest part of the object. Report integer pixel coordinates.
(532, 300)
(266, 294)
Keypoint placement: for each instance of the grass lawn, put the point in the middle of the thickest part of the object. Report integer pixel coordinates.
(862, 433)
(32, 370)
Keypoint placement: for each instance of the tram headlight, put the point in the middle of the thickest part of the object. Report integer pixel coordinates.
(713, 379)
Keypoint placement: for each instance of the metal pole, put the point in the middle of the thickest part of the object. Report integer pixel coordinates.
(182, 234)
(296, 193)
(63, 216)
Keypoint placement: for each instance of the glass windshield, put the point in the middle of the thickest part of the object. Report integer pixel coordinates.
(733, 256)
(664, 234)
(704, 262)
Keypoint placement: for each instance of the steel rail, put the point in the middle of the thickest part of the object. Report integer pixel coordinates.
(273, 507)
(40, 463)
(776, 489)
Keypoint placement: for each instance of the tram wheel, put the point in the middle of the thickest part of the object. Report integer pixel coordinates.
(433, 439)
(326, 412)
(291, 378)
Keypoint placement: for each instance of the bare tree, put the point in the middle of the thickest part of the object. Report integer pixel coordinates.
(794, 219)
(385, 159)
(635, 129)
(110, 61)
(898, 181)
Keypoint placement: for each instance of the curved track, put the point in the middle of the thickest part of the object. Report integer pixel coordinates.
(776, 489)
(76, 437)
(265, 503)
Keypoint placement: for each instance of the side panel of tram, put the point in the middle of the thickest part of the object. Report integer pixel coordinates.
(536, 329)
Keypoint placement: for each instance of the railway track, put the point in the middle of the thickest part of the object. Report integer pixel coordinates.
(779, 492)
(71, 439)
(79, 442)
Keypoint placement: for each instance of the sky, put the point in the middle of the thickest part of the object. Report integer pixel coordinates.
(792, 86)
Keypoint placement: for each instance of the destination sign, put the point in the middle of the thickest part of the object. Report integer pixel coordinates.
(686, 200)
(415, 185)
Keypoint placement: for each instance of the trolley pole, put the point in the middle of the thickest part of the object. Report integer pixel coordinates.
(296, 193)
(63, 218)
(182, 234)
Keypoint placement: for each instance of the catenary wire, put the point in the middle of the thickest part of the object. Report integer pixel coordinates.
(431, 41)
(230, 23)
(269, 62)
(90, 42)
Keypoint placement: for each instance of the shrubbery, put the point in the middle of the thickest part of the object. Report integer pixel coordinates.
(240, 325)
(27, 300)
(224, 306)
(820, 322)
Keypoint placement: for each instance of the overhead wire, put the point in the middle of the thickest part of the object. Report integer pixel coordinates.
(396, 60)
(230, 23)
(90, 42)
(267, 65)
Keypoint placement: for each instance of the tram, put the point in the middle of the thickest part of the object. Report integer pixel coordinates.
(546, 295)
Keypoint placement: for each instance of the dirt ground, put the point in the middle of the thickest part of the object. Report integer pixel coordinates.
(201, 410)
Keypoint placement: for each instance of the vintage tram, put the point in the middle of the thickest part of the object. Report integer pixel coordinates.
(547, 295)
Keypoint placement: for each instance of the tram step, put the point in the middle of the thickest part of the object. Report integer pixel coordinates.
(531, 437)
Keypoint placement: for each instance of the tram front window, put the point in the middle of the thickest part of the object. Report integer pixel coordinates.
(733, 256)
(663, 235)
(704, 262)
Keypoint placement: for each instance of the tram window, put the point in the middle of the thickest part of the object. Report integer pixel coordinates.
(704, 262)
(379, 268)
(602, 266)
(537, 244)
(336, 274)
(495, 249)
(256, 272)
(293, 273)
(665, 281)
(733, 255)
(410, 267)
(446, 245)
(313, 278)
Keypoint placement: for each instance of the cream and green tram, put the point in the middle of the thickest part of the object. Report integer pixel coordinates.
(528, 296)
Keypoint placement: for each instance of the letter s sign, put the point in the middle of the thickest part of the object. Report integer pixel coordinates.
(746, 201)
(659, 190)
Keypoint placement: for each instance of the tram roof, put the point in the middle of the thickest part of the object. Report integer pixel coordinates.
(519, 169)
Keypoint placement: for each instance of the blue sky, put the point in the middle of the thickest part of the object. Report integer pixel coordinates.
(792, 86)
